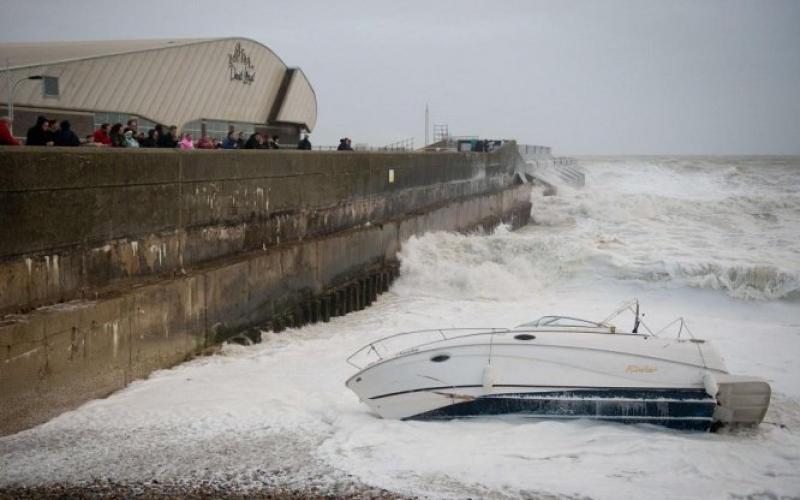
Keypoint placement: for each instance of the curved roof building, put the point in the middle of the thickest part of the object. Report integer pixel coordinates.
(211, 82)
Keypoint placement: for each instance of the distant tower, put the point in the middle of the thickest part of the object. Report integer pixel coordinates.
(440, 132)
(427, 116)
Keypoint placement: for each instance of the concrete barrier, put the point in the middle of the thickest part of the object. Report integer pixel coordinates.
(124, 264)
(76, 223)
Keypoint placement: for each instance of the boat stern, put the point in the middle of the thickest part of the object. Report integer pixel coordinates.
(742, 401)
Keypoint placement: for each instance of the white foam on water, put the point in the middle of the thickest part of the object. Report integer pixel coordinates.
(728, 225)
(278, 413)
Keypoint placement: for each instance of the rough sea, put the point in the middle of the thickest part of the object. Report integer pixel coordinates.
(713, 240)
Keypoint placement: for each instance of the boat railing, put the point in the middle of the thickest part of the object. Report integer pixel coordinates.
(393, 345)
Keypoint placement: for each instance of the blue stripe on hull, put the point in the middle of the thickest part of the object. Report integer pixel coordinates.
(687, 409)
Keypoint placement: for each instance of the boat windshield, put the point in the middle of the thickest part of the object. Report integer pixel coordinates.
(562, 321)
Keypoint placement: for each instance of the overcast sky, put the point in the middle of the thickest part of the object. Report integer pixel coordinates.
(593, 77)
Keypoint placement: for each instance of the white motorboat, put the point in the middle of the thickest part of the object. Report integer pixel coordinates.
(557, 367)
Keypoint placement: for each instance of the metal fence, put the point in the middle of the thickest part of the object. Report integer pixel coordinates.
(527, 150)
(541, 165)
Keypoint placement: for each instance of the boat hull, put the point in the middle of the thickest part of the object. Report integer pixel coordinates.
(685, 409)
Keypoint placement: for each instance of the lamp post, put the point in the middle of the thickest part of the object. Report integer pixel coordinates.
(13, 90)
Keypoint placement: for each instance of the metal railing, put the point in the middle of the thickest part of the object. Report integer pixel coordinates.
(401, 145)
(544, 167)
(382, 348)
(527, 150)
(451, 142)
(359, 147)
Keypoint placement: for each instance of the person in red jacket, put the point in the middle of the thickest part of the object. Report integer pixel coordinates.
(6, 137)
(101, 135)
(205, 142)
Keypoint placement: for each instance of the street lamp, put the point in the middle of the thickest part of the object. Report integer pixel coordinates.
(11, 91)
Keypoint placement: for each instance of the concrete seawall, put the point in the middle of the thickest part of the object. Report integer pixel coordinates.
(114, 264)
(72, 224)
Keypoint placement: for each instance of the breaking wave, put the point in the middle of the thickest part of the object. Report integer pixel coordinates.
(725, 224)
(760, 282)
(748, 283)
(493, 266)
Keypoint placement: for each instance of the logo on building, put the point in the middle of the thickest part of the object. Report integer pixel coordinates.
(240, 66)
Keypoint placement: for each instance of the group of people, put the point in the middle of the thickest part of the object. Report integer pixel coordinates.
(44, 133)
(345, 144)
(129, 136)
(53, 133)
(159, 137)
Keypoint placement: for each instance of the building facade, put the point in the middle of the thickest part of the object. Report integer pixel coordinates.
(196, 84)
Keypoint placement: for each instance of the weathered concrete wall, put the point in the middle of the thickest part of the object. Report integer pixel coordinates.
(184, 297)
(77, 222)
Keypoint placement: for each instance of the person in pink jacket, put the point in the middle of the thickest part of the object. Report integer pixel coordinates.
(186, 142)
